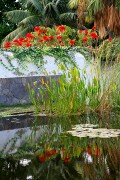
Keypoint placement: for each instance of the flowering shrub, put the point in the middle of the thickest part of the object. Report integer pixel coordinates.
(45, 37)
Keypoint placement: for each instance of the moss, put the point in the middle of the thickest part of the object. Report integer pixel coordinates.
(15, 109)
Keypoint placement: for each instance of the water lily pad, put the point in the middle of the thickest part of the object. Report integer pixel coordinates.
(93, 131)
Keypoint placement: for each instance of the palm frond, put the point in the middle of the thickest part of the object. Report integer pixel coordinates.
(17, 15)
(11, 35)
(31, 21)
(32, 5)
(73, 4)
(51, 11)
(68, 17)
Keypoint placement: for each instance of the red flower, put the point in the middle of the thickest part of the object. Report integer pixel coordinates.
(109, 39)
(61, 28)
(66, 159)
(46, 38)
(8, 45)
(37, 28)
(59, 38)
(42, 158)
(86, 32)
(43, 31)
(85, 39)
(94, 28)
(40, 40)
(94, 35)
(22, 39)
(80, 31)
(72, 42)
(48, 153)
(29, 36)
(28, 45)
(51, 37)
(54, 152)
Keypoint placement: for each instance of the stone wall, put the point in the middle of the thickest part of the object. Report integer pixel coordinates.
(15, 90)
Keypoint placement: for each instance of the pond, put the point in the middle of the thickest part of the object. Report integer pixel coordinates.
(50, 148)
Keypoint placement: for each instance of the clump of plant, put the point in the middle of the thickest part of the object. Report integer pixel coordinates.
(45, 37)
(73, 93)
(110, 50)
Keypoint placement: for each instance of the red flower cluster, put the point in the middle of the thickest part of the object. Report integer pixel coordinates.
(91, 152)
(94, 28)
(109, 39)
(94, 35)
(85, 39)
(43, 158)
(61, 28)
(8, 45)
(72, 42)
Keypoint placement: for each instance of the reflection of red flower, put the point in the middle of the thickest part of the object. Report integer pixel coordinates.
(89, 150)
(8, 45)
(48, 153)
(109, 39)
(94, 28)
(54, 152)
(94, 35)
(97, 152)
(72, 42)
(85, 39)
(66, 159)
(42, 158)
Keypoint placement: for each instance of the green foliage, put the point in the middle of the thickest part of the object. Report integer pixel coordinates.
(70, 94)
(36, 13)
(36, 56)
(110, 50)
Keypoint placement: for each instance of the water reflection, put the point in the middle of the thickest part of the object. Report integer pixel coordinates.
(49, 153)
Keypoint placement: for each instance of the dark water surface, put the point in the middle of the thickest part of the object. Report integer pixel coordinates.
(47, 152)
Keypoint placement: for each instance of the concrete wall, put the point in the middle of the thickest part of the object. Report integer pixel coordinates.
(15, 90)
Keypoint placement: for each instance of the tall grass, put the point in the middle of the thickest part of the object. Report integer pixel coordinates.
(74, 93)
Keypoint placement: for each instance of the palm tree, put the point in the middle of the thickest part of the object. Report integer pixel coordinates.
(37, 13)
(106, 14)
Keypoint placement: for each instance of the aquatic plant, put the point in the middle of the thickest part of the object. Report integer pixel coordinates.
(75, 93)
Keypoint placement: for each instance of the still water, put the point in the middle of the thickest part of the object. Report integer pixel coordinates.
(42, 148)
